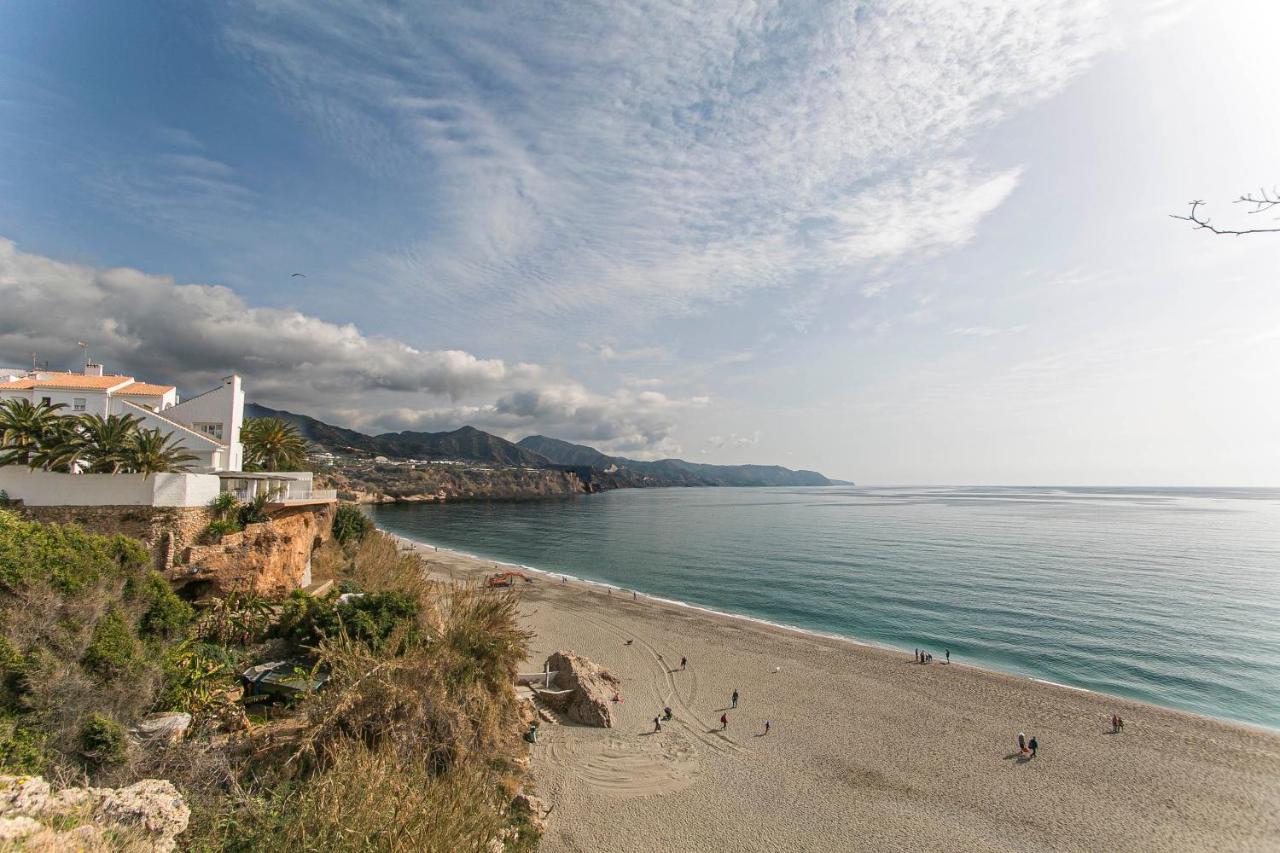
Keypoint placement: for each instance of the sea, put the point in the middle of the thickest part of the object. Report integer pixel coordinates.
(1169, 596)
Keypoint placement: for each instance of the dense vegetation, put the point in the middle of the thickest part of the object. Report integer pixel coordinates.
(411, 743)
(86, 628)
(38, 436)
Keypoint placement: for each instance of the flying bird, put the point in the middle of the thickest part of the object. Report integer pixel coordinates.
(297, 275)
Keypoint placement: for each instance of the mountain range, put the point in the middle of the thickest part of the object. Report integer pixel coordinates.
(597, 470)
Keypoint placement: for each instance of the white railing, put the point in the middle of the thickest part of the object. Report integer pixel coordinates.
(309, 495)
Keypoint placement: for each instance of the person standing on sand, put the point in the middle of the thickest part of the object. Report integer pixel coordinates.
(683, 663)
(733, 700)
(657, 724)
(724, 722)
(1033, 745)
(947, 652)
(1022, 743)
(767, 726)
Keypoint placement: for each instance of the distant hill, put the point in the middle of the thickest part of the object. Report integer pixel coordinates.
(596, 470)
(466, 442)
(669, 471)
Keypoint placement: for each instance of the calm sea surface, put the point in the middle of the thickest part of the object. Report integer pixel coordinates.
(1166, 595)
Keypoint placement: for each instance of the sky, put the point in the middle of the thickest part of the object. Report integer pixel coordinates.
(894, 242)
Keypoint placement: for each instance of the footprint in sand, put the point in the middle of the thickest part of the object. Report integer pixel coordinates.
(641, 767)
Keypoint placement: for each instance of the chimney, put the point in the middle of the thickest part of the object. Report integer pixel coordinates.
(91, 369)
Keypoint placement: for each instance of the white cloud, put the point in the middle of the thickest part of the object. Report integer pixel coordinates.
(192, 335)
(733, 440)
(986, 331)
(606, 352)
(658, 158)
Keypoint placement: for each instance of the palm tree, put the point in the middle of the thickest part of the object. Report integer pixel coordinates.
(61, 446)
(152, 452)
(272, 444)
(23, 427)
(108, 441)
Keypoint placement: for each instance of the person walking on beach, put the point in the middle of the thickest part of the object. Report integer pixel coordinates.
(683, 663)
(1022, 743)
(733, 700)
(1033, 746)
(657, 724)
(1115, 724)
(947, 652)
(724, 722)
(767, 725)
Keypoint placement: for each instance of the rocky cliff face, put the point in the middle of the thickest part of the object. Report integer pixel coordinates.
(270, 559)
(147, 815)
(441, 483)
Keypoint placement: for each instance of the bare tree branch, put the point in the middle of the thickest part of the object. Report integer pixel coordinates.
(1261, 202)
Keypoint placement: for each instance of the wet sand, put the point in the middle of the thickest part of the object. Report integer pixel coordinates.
(868, 750)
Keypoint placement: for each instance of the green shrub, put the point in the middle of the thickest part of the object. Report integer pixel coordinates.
(350, 524)
(166, 615)
(255, 511)
(220, 527)
(369, 618)
(64, 556)
(113, 650)
(349, 585)
(13, 671)
(22, 750)
(224, 505)
(102, 741)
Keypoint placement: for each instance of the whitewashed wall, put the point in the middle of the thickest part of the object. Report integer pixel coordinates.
(47, 488)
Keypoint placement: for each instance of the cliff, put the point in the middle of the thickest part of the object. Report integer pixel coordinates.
(271, 558)
(373, 483)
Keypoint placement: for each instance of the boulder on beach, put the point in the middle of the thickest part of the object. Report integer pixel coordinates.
(591, 687)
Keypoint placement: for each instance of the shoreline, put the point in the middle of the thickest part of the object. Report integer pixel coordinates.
(813, 633)
(867, 750)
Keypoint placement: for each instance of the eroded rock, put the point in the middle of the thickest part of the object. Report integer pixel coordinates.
(591, 687)
(34, 816)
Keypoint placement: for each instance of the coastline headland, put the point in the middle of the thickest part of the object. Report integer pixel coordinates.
(867, 750)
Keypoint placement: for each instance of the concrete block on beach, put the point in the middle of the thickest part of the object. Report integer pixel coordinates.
(590, 700)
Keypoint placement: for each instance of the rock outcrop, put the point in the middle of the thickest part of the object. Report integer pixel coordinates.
(150, 814)
(271, 559)
(590, 701)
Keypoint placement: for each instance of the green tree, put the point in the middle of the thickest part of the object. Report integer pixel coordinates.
(60, 447)
(108, 441)
(152, 452)
(23, 428)
(272, 444)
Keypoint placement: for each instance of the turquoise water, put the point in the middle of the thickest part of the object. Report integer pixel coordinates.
(1170, 596)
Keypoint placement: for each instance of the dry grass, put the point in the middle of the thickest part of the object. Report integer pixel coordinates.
(409, 746)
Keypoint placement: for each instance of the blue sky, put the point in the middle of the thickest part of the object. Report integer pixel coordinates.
(894, 242)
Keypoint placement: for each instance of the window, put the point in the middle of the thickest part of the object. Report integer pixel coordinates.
(213, 429)
(48, 401)
(77, 404)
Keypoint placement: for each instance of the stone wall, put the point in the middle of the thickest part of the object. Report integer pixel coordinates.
(271, 559)
(165, 531)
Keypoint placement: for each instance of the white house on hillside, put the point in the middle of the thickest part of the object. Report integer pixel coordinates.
(207, 425)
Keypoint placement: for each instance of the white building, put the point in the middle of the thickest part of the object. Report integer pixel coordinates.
(207, 425)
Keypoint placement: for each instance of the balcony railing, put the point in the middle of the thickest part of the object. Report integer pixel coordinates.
(305, 495)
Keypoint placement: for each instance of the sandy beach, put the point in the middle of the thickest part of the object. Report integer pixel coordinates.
(868, 749)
